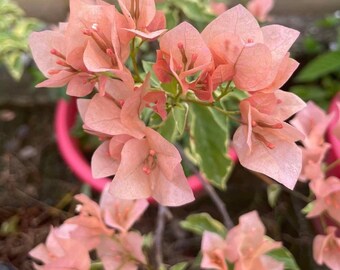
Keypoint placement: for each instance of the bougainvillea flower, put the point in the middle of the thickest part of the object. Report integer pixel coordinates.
(106, 158)
(103, 115)
(143, 18)
(247, 245)
(213, 249)
(326, 249)
(121, 214)
(183, 55)
(312, 159)
(327, 194)
(88, 227)
(151, 167)
(217, 7)
(260, 8)
(238, 43)
(313, 122)
(264, 142)
(60, 253)
(95, 26)
(59, 66)
(156, 100)
(123, 251)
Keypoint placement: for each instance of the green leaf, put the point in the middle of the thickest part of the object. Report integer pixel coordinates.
(308, 208)
(180, 114)
(147, 66)
(273, 193)
(198, 223)
(283, 255)
(168, 129)
(171, 87)
(195, 10)
(208, 144)
(148, 240)
(180, 266)
(97, 266)
(322, 65)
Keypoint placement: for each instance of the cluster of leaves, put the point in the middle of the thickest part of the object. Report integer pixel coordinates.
(319, 80)
(14, 31)
(197, 11)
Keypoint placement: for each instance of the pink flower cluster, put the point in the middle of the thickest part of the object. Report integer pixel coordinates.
(245, 246)
(313, 123)
(91, 49)
(103, 228)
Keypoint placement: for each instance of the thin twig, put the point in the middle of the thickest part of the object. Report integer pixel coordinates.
(220, 205)
(161, 217)
(294, 193)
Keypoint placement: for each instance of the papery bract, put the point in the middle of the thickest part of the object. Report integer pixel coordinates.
(124, 251)
(247, 245)
(312, 158)
(106, 159)
(217, 7)
(260, 8)
(326, 249)
(151, 167)
(61, 253)
(143, 18)
(327, 194)
(312, 121)
(61, 65)
(264, 142)
(88, 227)
(183, 55)
(238, 43)
(213, 249)
(121, 214)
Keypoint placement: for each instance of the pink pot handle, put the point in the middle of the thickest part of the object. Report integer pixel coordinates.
(65, 118)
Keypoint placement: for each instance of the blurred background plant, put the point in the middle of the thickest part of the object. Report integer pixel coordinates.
(14, 31)
(319, 77)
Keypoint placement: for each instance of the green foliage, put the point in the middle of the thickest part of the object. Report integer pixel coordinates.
(14, 31)
(273, 193)
(283, 255)
(147, 66)
(308, 208)
(180, 113)
(173, 127)
(208, 144)
(198, 223)
(180, 266)
(197, 11)
(322, 65)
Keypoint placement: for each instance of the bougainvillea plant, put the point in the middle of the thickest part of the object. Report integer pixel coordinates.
(147, 119)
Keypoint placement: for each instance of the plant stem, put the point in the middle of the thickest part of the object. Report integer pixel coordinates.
(224, 92)
(220, 205)
(133, 56)
(294, 193)
(162, 211)
(227, 113)
(332, 165)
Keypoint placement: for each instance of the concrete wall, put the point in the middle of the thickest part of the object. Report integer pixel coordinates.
(56, 10)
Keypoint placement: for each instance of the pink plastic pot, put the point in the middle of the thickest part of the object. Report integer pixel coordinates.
(65, 118)
(334, 153)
